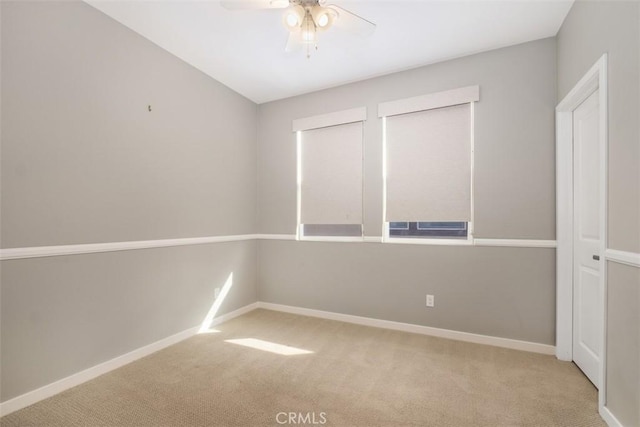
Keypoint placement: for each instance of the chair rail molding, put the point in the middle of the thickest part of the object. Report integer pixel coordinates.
(89, 248)
(623, 257)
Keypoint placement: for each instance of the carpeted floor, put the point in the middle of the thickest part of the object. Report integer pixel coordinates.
(354, 376)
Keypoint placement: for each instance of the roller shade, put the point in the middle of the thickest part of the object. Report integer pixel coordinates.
(428, 158)
(331, 169)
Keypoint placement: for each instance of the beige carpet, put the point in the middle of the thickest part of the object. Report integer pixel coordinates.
(355, 376)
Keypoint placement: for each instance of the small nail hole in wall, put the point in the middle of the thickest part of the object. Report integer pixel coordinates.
(149, 107)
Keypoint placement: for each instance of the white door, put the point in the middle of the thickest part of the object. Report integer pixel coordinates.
(587, 297)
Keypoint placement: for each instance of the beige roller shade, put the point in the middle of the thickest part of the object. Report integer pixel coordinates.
(331, 165)
(428, 155)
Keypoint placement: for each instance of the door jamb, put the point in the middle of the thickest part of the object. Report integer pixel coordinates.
(595, 78)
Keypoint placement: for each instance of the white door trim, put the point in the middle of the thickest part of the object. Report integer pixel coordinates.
(595, 78)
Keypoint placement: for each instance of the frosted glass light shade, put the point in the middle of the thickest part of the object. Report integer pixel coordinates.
(293, 18)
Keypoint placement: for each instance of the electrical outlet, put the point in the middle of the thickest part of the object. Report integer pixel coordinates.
(216, 293)
(430, 301)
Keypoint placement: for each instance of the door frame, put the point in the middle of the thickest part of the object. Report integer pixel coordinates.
(594, 79)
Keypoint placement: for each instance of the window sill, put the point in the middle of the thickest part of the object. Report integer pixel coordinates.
(482, 242)
(432, 242)
(392, 240)
(344, 239)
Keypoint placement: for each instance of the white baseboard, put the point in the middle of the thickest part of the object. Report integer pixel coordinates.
(416, 329)
(609, 418)
(235, 313)
(63, 384)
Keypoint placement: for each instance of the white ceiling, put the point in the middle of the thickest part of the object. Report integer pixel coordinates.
(245, 49)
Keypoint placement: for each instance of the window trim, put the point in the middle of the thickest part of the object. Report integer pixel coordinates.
(447, 98)
(336, 118)
(345, 239)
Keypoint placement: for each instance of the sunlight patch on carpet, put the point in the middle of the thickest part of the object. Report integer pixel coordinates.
(271, 347)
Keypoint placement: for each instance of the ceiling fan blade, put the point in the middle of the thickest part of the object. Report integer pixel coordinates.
(294, 42)
(254, 4)
(351, 22)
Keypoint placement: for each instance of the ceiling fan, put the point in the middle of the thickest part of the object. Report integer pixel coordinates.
(306, 18)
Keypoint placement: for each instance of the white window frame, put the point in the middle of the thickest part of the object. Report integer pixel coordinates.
(466, 95)
(336, 118)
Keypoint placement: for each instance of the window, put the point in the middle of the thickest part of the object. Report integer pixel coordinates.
(330, 175)
(452, 230)
(428, 163)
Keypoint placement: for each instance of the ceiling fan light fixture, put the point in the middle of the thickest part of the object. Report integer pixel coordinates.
(293, 18)
(308, 37)
(323, 20)
(323, 17)
(308, 30)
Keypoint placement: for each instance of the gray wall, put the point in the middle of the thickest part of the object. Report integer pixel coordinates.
(61, 315)
(490, 291)
(476, 289)
(591, 29)
(514, 147)
(83, 161)
(623, 338)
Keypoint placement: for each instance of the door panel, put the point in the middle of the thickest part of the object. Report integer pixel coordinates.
(587, 295)
(589, 332)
